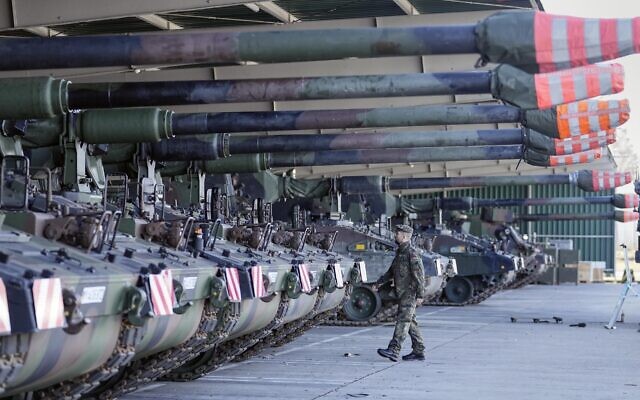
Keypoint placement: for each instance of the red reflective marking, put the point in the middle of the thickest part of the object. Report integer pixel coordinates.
(567, 83)
(233, 284)
(617, 78)
(543, 41)
(592, 77)
(5, 320)
(636, 34)
(575, 39)
(543, 94)
(609, 39)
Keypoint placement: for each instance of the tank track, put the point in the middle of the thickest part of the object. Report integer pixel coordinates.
(388, 313)
(282, 332)
(130, 335)
(227, 351)
(316, 320)
(211, 331)
(526, 280)
(475, 299)
(485, 294)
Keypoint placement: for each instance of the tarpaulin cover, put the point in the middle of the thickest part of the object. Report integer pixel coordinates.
(594, 181)
(578, 118)
(540, 42)
(544, 91)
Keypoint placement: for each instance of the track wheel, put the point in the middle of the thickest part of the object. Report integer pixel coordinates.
(459, 289)
(364, 304)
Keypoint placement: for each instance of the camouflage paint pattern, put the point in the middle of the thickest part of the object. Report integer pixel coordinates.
(528, 39)
(563, 121)
(505, 83)
(233, 47)
(136, 94)
(46, 364)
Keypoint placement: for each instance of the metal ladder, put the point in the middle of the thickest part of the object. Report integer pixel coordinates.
(628, 289)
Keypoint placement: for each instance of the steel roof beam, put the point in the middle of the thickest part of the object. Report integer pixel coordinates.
(44, 31)
(36, 13)
(274, 10)
(407, 7)
(159, 22)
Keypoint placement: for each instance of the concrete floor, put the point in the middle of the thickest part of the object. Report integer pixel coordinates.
(474, 352)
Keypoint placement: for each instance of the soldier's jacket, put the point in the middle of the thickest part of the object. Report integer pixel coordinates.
(407, 273)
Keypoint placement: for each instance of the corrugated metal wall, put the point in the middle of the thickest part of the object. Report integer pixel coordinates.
(594, 239)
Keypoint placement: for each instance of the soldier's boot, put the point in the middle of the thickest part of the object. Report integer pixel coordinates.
(388, 353)
(413, 356)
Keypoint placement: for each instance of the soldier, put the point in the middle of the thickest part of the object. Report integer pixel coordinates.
(407, 274)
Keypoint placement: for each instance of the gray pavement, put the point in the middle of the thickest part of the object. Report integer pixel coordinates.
(474, 352)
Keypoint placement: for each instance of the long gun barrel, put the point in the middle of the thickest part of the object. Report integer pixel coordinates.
(590, 181)
(42, 97)
(390, 140)
(265, 161)
(617, 215)
(559, 122)
(505, 83)
(530, 40)
(155, 125)
(617, 200)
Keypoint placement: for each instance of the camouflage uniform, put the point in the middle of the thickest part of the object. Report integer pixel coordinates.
(407, 273)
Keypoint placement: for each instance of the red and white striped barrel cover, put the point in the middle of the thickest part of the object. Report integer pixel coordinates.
(567, 86)
(587, 116)
(565, 42)
(609, 180)
(577, 158)
(577, 145)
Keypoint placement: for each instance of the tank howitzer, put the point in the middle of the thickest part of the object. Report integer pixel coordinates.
(482, 268)
(367, 304)
(155, 358)
(529, 40)
(374, 246)
(115, 325)
(330, 279)
(308, 293)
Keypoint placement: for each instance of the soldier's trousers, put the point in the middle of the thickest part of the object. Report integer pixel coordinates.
(406, 323)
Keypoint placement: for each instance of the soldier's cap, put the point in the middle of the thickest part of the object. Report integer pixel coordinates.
(404, 228)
